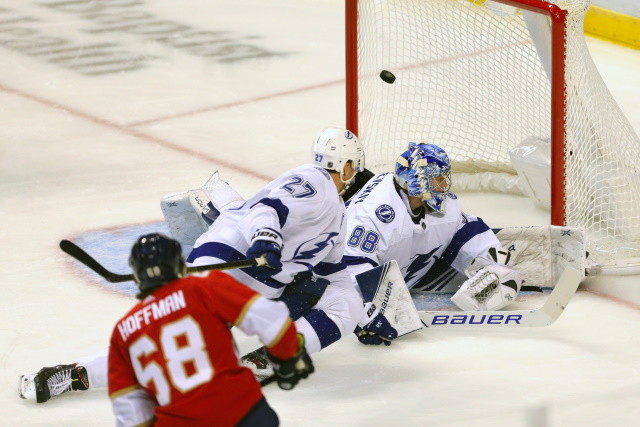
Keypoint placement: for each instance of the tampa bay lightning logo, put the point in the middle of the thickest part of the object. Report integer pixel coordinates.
(385, 213)
(419, 262)
(311, 248)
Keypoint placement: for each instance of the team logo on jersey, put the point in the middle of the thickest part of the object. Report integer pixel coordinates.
(385, 213)
(419, 262)
(452, 195)
(310, 248)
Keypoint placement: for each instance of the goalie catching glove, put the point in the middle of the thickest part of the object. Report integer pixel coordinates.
(289, 371)
(378, 331)
(492, 287)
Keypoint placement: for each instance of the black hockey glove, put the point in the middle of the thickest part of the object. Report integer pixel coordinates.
(289, 371)
(378, 331)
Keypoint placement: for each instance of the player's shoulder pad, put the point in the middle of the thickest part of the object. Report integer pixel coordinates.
(454, 207)
(318, 177)
(309, 171)
(372, 184)
(323, 172)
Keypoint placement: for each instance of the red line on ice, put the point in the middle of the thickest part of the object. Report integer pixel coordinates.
(136, 133)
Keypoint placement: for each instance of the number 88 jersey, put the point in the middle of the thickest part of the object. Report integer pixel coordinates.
(380, 228)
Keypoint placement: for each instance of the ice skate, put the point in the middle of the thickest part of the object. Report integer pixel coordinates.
(258, 362)
(52, 381)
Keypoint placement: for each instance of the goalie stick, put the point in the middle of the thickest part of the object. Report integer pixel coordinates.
(78, 253)
(543, 316)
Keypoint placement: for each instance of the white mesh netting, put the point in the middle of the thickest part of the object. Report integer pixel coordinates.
(474, 77)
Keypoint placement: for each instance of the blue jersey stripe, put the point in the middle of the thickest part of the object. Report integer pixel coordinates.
(436, 278)
(228, 254)
(326, 329)
(327, 268)
(462, 236)
(356, 260)
(217, 250)
(276, 204)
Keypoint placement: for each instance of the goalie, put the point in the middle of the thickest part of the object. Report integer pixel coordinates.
(410, 216)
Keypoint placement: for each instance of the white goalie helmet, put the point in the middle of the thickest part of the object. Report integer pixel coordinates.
(334, 147)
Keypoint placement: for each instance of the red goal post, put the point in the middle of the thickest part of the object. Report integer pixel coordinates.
(481, 78)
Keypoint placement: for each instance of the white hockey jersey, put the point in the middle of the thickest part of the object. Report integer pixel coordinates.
(380, 229)
(304, 205)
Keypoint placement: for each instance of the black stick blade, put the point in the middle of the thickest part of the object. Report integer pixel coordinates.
(78, 253)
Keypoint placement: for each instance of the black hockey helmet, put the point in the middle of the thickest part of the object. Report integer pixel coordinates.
(155, 260)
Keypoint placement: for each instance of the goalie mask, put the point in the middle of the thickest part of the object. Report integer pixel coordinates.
(155, 260)
(424, 171)
(334, 147)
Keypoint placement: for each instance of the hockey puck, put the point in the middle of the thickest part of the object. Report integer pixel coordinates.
(387, 76)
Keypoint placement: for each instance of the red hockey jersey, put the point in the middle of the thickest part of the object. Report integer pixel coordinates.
(172, 356)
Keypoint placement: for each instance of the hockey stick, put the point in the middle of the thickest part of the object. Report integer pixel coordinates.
(552, 309)
(78, 253)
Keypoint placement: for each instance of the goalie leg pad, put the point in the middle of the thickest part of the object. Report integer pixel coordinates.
(385, 293)
(220, 193)
(190, 213)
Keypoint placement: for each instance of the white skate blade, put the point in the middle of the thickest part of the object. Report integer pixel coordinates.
(27, 387)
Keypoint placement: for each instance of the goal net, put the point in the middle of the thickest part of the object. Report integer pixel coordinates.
(484, 78)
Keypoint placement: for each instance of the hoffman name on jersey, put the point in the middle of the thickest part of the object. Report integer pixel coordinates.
(156, 310)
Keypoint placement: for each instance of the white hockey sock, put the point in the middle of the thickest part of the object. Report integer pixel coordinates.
(97, 368)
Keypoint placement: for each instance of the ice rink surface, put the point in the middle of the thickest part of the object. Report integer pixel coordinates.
(92, 138)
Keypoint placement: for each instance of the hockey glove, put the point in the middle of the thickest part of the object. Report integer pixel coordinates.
(303, 293)
(289, 371)
(267, 242)
(378, 331)
(491, 288)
